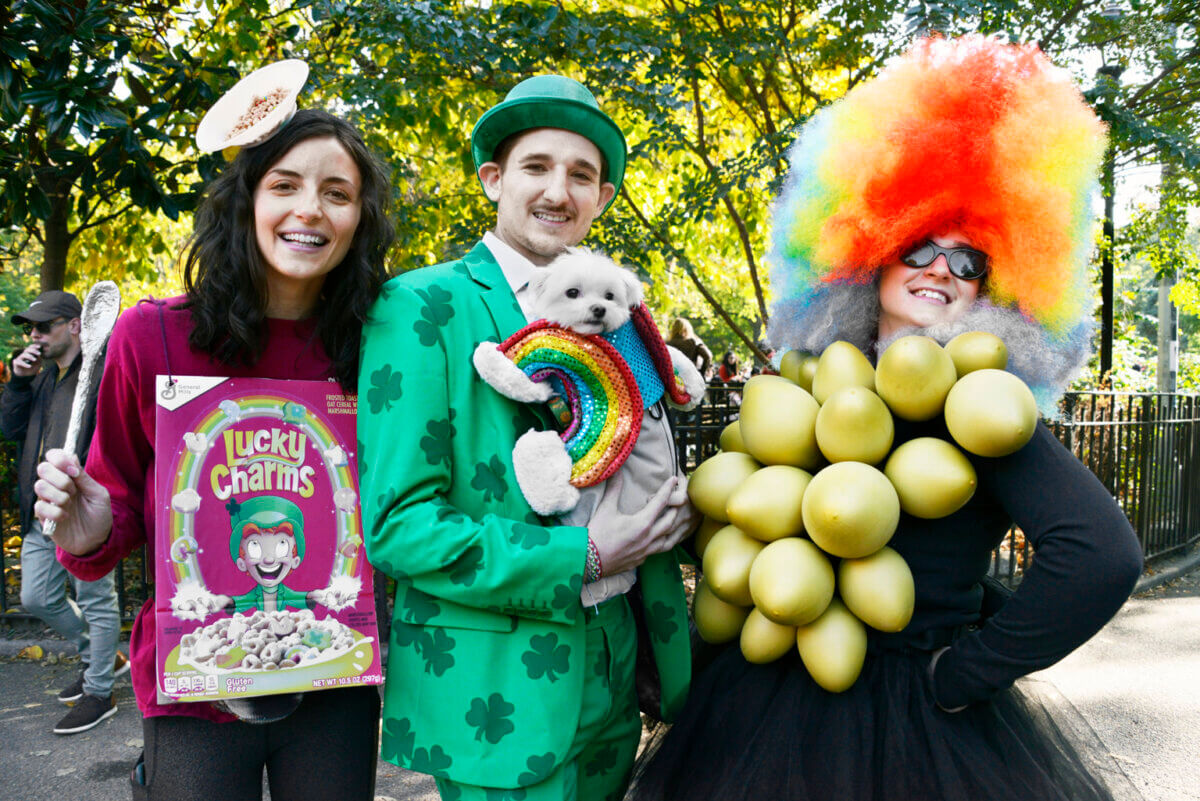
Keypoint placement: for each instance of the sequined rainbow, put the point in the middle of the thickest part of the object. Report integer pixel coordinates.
(969, 133)
(604, 400)
(189, 466)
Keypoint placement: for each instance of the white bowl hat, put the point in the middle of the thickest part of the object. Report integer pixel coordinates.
(216, 130)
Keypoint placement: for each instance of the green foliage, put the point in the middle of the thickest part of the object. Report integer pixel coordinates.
(100, 99)
(17, 290)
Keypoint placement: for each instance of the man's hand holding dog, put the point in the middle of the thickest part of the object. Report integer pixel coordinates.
(624, 541)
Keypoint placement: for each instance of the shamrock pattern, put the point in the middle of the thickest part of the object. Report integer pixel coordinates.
(490, 718)
(398, 739)
(436, 312)
(529, 537)
(434, 646)
(435, 650)
(437, 444)
(417, 607)
(602, 763)
(567, 595)
(446, 512)
(660, 623)
(386, 387)
(466, 568)
(433, 761)
(540, 768)
(600, 668)
(449, 791)
(546, 657)
(489, 479)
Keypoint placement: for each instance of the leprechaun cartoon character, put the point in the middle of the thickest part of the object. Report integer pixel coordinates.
(266, 542)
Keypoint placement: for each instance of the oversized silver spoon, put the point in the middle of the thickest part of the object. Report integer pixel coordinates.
(96, 323)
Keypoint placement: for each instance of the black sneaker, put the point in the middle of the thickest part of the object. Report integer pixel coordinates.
(73, 692)
(89, 711)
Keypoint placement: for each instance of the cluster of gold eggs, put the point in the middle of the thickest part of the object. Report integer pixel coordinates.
(807, 490)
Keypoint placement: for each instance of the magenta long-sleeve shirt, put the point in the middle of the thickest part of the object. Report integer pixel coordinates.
(150, 339)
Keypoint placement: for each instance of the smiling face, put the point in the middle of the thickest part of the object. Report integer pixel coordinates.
(268, 555)
(306, 210)
(924, 296)
(547, 192)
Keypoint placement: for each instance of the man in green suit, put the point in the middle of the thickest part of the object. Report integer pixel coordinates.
(502, 682)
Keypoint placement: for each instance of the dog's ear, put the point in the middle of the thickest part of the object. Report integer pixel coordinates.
(538, 280)
(633, 288)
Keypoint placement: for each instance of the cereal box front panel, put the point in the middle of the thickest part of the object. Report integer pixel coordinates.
(262, 582)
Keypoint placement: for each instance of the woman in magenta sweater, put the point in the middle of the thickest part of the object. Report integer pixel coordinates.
(286, 258)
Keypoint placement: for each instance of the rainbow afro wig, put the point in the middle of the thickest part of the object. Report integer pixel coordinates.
(970, 134)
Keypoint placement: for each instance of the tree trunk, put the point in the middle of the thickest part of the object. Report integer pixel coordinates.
(56, 242)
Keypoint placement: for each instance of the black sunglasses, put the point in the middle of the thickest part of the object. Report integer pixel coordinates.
(964, 262)
(43, 327)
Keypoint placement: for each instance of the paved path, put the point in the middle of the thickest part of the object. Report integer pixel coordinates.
(37, 765)
(1138, 684)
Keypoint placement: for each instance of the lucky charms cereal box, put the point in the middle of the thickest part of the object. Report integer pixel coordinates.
(262, 581)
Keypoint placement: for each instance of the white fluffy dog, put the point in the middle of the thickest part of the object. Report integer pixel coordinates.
(586, 292)
(590, 294)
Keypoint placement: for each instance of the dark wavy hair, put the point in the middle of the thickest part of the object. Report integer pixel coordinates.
(226, 278)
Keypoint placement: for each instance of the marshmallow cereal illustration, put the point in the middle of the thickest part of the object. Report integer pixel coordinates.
(345, 499)
(231, 410)
(184, 547)
(186, 501)
(265, 641)
(196, 443)
(336, 457)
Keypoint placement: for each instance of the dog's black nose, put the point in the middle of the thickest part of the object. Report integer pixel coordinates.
(598, 312)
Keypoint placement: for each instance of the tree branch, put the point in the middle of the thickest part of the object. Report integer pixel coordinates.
(743, 233)
(1066, 19)
(1184, 59)
(686, 263)
(101, 221)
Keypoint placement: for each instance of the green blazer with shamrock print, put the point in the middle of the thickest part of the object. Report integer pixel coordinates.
(485, 661)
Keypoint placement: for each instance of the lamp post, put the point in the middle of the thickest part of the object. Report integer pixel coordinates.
(1112, 11)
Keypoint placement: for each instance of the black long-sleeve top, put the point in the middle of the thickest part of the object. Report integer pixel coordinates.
(1087, 560)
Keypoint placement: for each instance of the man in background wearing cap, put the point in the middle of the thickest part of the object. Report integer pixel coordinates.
(35, 408)
(499, 676)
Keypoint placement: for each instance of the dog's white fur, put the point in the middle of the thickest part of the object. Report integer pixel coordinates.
(588, 293)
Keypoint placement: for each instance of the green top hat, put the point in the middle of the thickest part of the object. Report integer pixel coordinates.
(265, 511)
(551, 101)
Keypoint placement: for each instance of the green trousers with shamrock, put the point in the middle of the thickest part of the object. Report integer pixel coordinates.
(598, 765)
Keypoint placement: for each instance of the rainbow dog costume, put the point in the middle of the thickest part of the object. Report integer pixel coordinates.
(598, 387)
(969, 133)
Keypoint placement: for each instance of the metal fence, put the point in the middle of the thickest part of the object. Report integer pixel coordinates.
(1144, 447)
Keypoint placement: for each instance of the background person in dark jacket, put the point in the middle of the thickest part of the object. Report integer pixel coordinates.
(35, 409)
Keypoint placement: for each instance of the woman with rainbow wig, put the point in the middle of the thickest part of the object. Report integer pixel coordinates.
(949, 194)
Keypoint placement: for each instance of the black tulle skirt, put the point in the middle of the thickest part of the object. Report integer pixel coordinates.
(769, 732)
